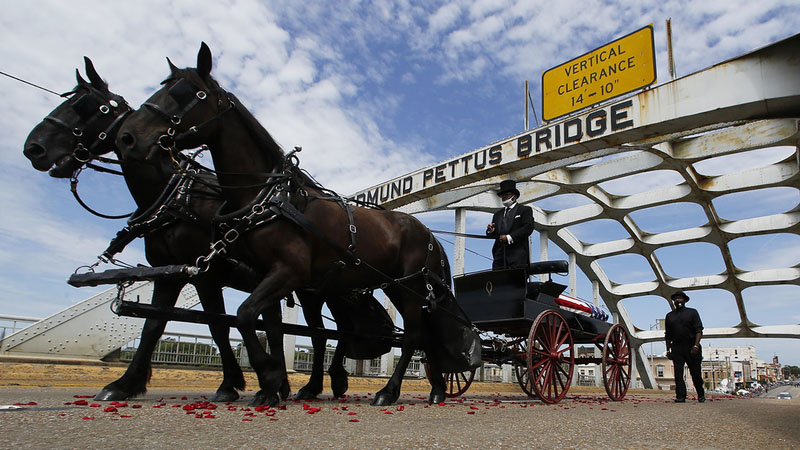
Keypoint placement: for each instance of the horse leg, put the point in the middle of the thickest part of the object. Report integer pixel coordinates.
(134, 381)
(270, 368)
(211, 298)
(337, 372)
(275, 344)
(391, 392)
(410, 308)
(438, 386)
(312, 311)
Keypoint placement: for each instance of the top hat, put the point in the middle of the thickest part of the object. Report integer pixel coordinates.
(679, 294)
(508, 186)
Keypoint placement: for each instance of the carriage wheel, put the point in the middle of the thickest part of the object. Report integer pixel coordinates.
(456, 383)
(521, 369)
(524, 380)
(551, 359)
(617, 363)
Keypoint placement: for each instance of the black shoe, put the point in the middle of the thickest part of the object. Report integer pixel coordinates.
(680, 400)
(701, 400)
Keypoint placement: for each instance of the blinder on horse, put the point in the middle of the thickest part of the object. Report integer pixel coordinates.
(186, 97)
(90, 113)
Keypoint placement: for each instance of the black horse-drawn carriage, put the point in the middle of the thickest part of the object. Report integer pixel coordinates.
(293, 235)
(521, 321)
(534, 334)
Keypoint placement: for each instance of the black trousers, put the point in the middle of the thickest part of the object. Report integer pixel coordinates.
(682, 355)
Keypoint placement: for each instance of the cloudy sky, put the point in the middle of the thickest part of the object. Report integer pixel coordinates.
(371, 90)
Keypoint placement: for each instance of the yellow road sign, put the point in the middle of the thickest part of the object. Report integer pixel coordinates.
(622, 66)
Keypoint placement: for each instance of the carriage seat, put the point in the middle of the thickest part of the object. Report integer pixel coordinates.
(540, 267)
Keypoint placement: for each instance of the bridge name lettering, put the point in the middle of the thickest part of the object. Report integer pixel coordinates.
(593, 125)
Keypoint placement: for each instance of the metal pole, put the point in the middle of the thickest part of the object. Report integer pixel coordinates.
(459, 241)
(526, 106)
(670, 58)
(543, 243)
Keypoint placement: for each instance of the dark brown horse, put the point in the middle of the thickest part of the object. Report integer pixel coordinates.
(302, 236)
(83, 127)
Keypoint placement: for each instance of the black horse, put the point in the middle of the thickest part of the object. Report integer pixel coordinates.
(301, 236)
(83, 127)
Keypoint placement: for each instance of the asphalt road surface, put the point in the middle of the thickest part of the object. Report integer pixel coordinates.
(67, 417)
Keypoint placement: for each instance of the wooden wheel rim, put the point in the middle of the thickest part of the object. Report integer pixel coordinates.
(616, 363)
(456, 383)
(551, 358)
(524, 380)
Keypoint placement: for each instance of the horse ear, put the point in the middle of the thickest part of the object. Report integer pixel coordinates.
(204, 60)
(172, 68)
(97, 82)
(81, 81)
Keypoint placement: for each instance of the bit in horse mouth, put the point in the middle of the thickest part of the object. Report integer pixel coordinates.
(62, 165)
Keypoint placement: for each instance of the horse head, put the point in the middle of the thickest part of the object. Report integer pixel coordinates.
(191, 110)
(178, 116)
(81, 128)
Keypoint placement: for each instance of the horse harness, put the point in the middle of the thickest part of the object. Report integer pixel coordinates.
(274, 200)
(90, 124)
(90, 113)
(174, 204)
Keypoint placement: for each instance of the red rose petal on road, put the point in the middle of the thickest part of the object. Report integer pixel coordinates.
(87, 418)
(110, 409)
(353, 420)
(95, 405)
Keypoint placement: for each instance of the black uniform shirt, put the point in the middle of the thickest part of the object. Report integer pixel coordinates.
(682, 325)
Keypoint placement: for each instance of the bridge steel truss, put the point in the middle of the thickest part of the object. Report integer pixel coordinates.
(744, 104)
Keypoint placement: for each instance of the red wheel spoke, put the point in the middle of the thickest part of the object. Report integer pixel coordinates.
(616, 362)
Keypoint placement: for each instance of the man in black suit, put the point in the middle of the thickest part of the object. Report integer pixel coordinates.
(510, 227)
(684, 329)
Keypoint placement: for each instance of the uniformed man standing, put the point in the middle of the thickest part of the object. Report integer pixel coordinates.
(510, 227)
(683, 333)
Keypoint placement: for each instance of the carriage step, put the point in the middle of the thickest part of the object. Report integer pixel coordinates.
(114, 276)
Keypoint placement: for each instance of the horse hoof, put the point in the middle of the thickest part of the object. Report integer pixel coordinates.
(437, 398)
(285, 390)
(339, 385)
(305, 394)
(383, 399)
(225, 396)
(263, 399)
(108, 395)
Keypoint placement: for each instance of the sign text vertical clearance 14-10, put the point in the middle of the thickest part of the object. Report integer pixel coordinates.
(622, 66)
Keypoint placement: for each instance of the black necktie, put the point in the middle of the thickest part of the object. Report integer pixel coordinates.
(506, 222)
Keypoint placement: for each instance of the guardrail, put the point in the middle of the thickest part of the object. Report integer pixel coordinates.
(10, 323)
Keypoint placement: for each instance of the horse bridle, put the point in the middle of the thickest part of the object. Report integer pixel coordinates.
(89, 123)
(187, 97)
(90, 114)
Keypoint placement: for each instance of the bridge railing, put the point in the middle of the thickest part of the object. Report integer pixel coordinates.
(10, 323)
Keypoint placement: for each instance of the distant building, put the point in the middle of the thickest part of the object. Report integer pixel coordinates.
(724, 369)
